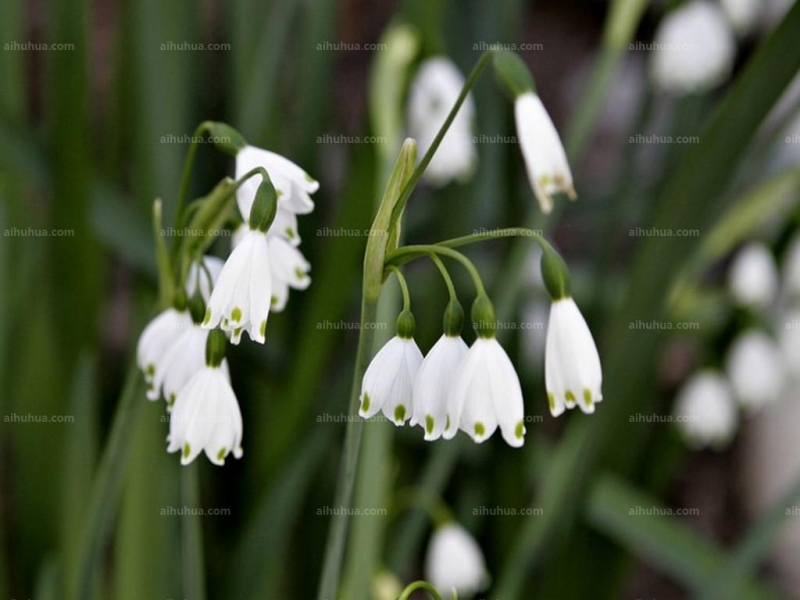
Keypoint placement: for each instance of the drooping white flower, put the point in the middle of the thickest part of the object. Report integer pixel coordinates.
(292, 184)
(206, 418)
(389, 381)
(705, 410)
(756, 370)
(183, 360)
(243, 293)
(693, 49)
(288, 267)
(156, 340)
(486, 394)
(434, 91)
(432, 386)
(545, 159)
(743, 14)
(455, 562)
(572, 371)
(753, 276)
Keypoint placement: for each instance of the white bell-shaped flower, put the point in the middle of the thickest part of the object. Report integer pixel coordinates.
(694, 49)
(545, 159)
(572, 371)
(156, 340)
(705, 411)
(292, 185)
(455, 562)
(756, 369)
(487, 394)
(753, 276)
(432, 385)
(288, 267)
(206, 418)
(434, 91)
(243, 293)
(389, 381)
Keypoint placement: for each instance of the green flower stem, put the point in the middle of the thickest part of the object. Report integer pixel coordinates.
(403, 286)
(451, 290)
(409, 253)
(420, 585)
(374, 265)
(192, 563)
(335, 546)
(186, 176)
(400, 206)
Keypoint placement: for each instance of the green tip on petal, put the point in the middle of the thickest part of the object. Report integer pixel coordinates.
(171, 399)
(587, 397)
(519, 431)
(187, 450)
(223, 452)
(551, 400)
(263, 328)
(207, 318)
(479, 429)
(236, 314)
(299, 273)
(365, 403)
(273, 300)
(428, 424)
(447, 423)
(290, 233)
(400, 413)
(150, 370)
(570, 397)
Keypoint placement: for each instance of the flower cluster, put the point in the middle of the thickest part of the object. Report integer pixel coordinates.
(476, 389)
(181, 352)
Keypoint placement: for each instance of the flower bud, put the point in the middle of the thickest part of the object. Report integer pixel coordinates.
(225, 138)
(513, 74)
(215, 347)
(265, 206)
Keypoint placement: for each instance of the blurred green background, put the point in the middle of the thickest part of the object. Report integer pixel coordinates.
(92, 130)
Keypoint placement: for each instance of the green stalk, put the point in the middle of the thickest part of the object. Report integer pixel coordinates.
(420, 585)
(374, 262)
(192, 563)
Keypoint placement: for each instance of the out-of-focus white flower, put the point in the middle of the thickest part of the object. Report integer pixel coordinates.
(206, 417)
(243, 293)
(432, 386)
(572, 371)
(694, 49)
(156, 340)
(789, 340)
(486, 394)
(705, 411)
(389, 380)
(455, 561)
(743, 14)
(756, 369)
(434, 91)
(545, 159)
(753, 276)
